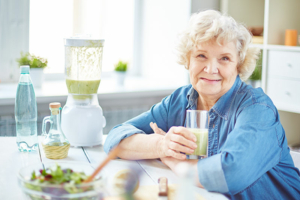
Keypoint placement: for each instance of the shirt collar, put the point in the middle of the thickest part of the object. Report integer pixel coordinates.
(223, 104)
(192, 97)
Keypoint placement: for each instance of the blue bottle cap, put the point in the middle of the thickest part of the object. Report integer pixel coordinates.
(25, 69)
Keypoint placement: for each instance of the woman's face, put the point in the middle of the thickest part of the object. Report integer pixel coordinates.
(213, 68)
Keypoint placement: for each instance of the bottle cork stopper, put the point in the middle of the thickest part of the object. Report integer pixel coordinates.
(54, 105)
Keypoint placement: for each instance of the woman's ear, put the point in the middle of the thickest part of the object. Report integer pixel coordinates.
(187, 66)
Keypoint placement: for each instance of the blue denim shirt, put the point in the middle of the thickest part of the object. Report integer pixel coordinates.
(248, 155)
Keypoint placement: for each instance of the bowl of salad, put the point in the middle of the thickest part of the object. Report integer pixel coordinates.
(60, 181)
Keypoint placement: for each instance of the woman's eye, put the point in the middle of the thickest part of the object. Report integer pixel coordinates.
(225, 58)
(201, 56)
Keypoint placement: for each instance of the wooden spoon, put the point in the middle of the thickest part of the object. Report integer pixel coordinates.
(112, 154)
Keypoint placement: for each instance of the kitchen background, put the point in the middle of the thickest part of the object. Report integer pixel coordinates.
(143, 33)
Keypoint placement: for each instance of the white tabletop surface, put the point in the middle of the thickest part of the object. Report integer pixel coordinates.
(11, 160)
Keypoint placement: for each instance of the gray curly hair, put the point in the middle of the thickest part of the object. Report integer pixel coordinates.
(212, 25)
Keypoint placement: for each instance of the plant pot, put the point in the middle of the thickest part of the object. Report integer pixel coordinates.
(120, 77)
(37, 77)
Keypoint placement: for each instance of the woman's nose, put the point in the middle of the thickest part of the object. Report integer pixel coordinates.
(211, 68)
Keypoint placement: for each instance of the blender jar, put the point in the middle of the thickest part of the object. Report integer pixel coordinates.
(83, 66)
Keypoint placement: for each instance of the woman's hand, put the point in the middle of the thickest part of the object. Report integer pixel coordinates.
(170, 162)
(178, 139)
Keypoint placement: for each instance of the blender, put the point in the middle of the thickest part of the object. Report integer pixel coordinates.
(82, 119)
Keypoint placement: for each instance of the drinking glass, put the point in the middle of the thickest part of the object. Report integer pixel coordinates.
(197, 123)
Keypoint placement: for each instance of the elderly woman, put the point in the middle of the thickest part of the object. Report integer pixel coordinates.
(248, 156)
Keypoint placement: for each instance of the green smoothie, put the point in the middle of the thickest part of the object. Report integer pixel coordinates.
(82, 87)
(202, 138)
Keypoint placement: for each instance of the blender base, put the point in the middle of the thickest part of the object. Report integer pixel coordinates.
(83, 125)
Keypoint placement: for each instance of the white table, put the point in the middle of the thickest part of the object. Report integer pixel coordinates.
(11, 160)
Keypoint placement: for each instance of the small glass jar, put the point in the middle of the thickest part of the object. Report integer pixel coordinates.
(55, 143)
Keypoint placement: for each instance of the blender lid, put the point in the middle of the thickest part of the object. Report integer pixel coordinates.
(83, 42)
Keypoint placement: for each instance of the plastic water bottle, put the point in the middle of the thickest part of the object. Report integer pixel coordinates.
(26, 113)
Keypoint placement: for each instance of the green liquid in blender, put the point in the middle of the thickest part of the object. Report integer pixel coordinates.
(202, 138)
(82, 88)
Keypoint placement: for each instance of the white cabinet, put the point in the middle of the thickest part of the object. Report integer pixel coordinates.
(284, 64)
(283, 93)
(283, 79)
(280, 64)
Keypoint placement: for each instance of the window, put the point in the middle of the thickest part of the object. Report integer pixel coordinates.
(142, 32)
(53, 20)
(49, 23)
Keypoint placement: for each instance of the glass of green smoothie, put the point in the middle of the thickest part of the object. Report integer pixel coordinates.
(197, 123)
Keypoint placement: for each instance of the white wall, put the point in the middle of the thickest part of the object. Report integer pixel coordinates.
(290, 122)
(283, 15)
(250, 12)
(200, 5)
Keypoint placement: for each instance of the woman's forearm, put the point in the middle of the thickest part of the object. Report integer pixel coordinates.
(140, 146)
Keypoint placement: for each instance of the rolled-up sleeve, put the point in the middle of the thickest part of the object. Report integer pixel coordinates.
(140, 124)
(251, 149)
(119, 133)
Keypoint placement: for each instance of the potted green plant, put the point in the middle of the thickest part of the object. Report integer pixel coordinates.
(120, 71)
(36, 64)
(255, 78)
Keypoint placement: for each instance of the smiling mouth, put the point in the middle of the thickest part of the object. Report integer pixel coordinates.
(211, 80)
